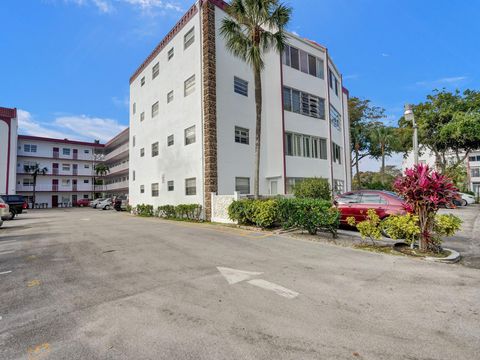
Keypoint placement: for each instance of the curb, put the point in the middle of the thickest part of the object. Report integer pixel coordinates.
(453, 258)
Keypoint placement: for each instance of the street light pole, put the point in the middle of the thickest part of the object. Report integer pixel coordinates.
(409, 116)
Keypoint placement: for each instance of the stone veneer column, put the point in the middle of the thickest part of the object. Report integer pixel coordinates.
(209, 105)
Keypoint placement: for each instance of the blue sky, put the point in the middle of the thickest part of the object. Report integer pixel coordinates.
(66, 63)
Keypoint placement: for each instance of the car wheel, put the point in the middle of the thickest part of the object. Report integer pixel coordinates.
(1, 222)
(464, 202)
(81, 205)
(107, 207)
(12, 215)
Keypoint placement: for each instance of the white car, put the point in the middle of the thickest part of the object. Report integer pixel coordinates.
(95, 202)
(4, 210)
(467, 199)
(105, 204)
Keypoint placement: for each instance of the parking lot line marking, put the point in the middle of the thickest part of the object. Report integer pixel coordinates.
(5, 272)
(6, 252)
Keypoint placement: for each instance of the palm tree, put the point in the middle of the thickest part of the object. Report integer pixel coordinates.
(100, 170)
(35, 170)
(384, 138)
(253, 28)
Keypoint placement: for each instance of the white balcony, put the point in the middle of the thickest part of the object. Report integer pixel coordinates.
(55, 188)
(119, 168)
(117, 153)
(112, 187)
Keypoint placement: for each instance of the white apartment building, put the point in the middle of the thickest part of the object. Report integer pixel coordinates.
(192, 117)
(116, 158)
(8, 155)
(70, 170)
(472, 163)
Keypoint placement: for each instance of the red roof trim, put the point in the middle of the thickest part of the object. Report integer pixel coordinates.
(63, 141)
(345, 91)
(8, 112)
(176, 29)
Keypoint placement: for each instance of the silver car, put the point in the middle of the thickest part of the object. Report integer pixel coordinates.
(4, 211)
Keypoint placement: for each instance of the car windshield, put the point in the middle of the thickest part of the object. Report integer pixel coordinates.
(395, 195)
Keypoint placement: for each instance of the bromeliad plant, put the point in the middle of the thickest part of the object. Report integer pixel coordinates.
(424, 191)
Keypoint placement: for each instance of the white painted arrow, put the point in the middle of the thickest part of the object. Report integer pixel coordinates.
(234, 276)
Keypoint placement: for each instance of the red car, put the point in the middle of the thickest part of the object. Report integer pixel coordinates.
(83, 202)
(356, 204)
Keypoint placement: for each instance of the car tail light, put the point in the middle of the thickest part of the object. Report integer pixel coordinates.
(25, 205)
(3, 206)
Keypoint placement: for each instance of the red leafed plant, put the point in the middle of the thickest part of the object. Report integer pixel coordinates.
(424, 191)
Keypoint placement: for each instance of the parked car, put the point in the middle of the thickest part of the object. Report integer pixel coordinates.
(467, 199)
(4, 210)
(357, 203)
(106, 204)
(121, 203)
(82, 202)
(17, 204)
(95, 202)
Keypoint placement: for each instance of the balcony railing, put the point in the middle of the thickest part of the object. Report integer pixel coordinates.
(56, 188)
(116, 152)
(118, 168)
(56, 155)
(112, 187)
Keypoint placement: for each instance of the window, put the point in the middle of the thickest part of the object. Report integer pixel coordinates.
(142, 189)
(65, 167)
(142, 116)
(134, 108)
(303, 61)
(85, 181)
(350, 198)
(142, 152)
(190, 135)
(189, 86)
(242, 135)
(170, 97)
(155, 109)
(155, 190)
(291, 183)
(170, 185)
(65, 182)
(333, 81)
(155, 149)
(30, 148)
(337, 153)
(339, 186)
(368, 198)
(86, 166)
(191, 186)
(170, 53)
(133, 141)
(27, 182)
(305, 146)
(86, 151)
(85, 196)
(475, 172)
(170, 140)
(133, 175)
(303, 103)
(142, 81)
(66, 151)
(242, 185)
(240, 86)
(189, 38)
(335, 118)
(155, 70)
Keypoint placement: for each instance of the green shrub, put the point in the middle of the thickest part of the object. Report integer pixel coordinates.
(264, 213)
(129, 208)
(188, 211)
(313, 188)
(144, 210)
(403, 227)
(370, 227)
(308, 214)
(241, 211)
(446, 225)
(167, 211)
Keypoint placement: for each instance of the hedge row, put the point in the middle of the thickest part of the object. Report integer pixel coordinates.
(181, 212)
(306, 214)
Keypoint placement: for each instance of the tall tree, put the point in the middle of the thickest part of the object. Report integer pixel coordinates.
(363, 118)
(448, 124)
(100, 170)
(253, 28)
(384, 140)
(35, 170)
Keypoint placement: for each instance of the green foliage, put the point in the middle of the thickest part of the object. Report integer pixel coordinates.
(309, 214)
(264, 213)
(403, 227)
(167, 211)
(313, 188)
(144, 210)
(370, 227)
(241, 211)
(129, 208)
(447, 225)
(191, 212)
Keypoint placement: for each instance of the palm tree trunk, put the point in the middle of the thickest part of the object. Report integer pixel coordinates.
(357, 169)
(383, 165)
(258, 130)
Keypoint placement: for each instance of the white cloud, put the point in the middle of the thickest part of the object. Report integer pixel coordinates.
(351, 77)
(78, 127)
(121, 103)
(151, 4)
(446, 81)
(146, 6)
(385, 55)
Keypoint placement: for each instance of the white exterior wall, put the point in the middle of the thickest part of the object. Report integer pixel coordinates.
(177, 162)
(4, 160)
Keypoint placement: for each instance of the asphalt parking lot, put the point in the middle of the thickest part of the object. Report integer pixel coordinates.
(88, 284)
